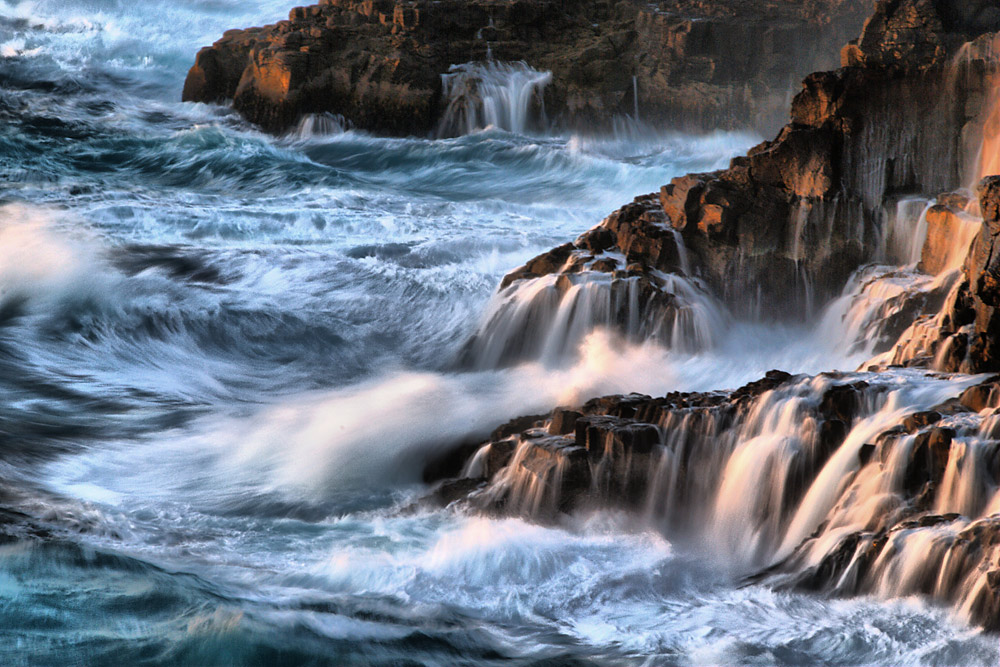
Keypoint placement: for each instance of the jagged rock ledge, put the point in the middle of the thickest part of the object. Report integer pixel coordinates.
(817, 481)
(823, 483)
(782, 229)
(964, 336)
(695, 63)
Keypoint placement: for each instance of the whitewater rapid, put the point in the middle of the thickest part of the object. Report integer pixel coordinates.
(225, 357)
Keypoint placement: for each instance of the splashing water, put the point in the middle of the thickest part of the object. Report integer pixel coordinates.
(507, 96)
(225, 358)
(547, 318)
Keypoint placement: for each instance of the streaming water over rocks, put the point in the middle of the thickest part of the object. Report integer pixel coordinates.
(228, 360)
(507, 96)
(830, 482)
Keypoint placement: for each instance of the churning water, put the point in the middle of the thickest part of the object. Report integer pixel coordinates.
(225, 356)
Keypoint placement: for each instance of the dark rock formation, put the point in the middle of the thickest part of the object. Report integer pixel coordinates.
(700, 63)
(794, 469)
(627, 275)
(601, 453)
(782, 229)
(677, 460)
(969, 338)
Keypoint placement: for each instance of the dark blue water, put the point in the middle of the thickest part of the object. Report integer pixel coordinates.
(224, 357)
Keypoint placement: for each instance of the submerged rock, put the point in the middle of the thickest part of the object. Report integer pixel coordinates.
(379, 63)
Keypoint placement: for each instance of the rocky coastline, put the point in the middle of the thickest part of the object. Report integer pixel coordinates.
(791, 223)
(794, 218)
(843, 491)
(689, 64)
(669, 460)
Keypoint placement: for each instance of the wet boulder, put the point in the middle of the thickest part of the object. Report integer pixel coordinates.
(928, 459)
(944, 225)
(563, 421)
(982, 396)
(842, 401)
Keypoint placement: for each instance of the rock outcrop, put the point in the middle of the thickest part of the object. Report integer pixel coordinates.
(816, 482)
(781, 230)
(867, 483)
(378, 63)
(965, 335)
(630, 275)
(972, 326)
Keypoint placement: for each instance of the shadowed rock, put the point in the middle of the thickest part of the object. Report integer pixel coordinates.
(695, 63)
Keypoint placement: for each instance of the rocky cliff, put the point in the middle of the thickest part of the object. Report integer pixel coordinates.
(881, 482)
(779, 232)
(378, 63)
(964, 335)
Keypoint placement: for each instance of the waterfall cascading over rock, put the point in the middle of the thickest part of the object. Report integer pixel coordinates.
(507, 96)
(878, 304)
(319, 125)
(957, 334)
(835, 482)
(546, 308)
(884, 482)
(546, 319)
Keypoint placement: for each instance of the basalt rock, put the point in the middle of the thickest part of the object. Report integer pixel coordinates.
(626, 275)
(947, 221)
(975, 316)
(782, 229)
(599, 453)
(965, 336)
(982, 396)
(695, 63)
(906, 517)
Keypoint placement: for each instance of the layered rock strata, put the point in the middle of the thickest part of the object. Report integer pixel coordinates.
(685, 63)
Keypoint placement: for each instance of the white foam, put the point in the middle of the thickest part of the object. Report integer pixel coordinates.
(47, 256)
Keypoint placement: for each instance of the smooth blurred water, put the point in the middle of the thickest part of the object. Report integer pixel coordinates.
(224, 357)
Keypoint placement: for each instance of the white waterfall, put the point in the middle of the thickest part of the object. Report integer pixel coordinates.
(635, 99)
(547, 318)
(770, 483)
(507, 96)
(908, 230)
(318, 125)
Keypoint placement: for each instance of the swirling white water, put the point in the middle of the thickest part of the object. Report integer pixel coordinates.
(224, 357)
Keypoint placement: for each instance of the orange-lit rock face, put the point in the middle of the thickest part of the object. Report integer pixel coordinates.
(950, 230)
(989, 162)
(270, 77)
